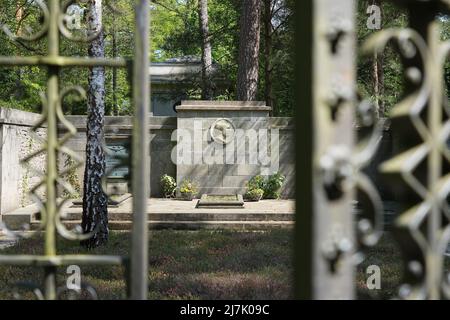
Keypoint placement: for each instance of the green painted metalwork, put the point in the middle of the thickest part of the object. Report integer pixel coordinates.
(141, 152)
(53, 27)
(329, 172)
(327, 181)
(326, 240)
(420, 171)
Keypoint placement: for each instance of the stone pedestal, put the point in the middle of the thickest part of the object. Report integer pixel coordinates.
(212, 136)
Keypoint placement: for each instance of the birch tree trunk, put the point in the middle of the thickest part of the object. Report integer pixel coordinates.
(207, 87)
(248, 64)
(95, 210)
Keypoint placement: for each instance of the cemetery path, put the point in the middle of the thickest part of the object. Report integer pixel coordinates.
(176, 214)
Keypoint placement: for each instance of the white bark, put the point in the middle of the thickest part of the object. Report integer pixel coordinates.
(95, 211)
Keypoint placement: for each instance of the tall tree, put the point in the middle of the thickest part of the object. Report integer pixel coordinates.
(249, 39)
(268, 32)
(95, 201)
(19, 90)
(207, 85)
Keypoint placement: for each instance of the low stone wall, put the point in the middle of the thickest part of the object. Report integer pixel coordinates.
(18, 142)
(16, 180)
(119, 130)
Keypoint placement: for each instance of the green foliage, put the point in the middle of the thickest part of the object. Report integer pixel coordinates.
(254, 194)
(271, 186)
(282, 60)
(21, 86)
(392, 17)
(174, 32)
(257, 182)
(169, 186)
(189, 187)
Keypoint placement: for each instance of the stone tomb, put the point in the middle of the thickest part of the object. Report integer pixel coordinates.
(220, 145)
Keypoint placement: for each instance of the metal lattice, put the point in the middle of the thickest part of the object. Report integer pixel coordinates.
(420, 170)
(328, 181)
(331, 179)
(54, 19)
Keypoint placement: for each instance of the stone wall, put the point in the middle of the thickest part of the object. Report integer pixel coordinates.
(214, 165)
(287, 153)
(18, 142)
(120, 129)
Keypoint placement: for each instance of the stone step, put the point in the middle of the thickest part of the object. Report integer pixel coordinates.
(189, 225)
(195, 216)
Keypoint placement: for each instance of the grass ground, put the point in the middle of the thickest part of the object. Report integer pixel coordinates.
(207, 265)
(183, 265)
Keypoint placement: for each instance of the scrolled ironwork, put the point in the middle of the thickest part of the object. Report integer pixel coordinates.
(421, 168)
(369, 224)
(32, 36)
(53, 147)
(76, 161)
(89, 35)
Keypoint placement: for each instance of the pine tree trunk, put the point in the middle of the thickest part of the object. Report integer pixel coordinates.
(207, 87)
(268, 81)
(247, 81)
(95, 210)
(19, 90)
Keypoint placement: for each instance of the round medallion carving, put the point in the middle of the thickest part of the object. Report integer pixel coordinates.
(223, 131)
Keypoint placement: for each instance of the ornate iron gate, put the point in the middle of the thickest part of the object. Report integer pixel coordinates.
(327, 181)
(53, 27)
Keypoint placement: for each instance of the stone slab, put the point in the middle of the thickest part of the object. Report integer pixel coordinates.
(221, 201)
(20, 218)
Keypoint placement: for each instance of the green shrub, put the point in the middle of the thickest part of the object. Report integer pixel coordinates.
(254, 194)
(257, 182)
(188, 188)
(273, 186)
(270, 186)
(169, 185)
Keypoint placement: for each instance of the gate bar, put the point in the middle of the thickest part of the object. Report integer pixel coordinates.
(324, 235)
(140, 153)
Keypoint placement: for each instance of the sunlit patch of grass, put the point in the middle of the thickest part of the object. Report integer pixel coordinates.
(206, 265)
(183, 265)
(386, 254)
